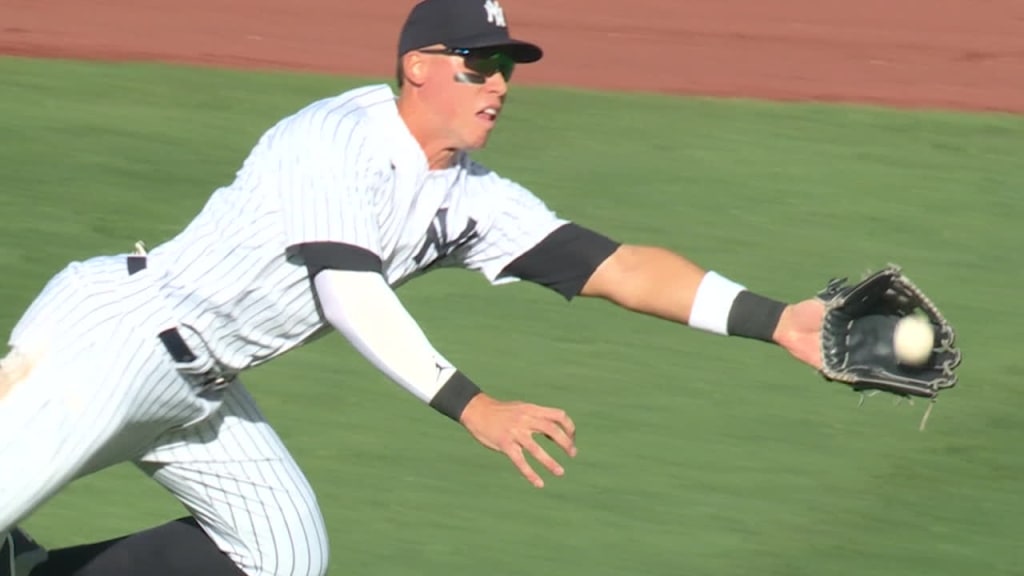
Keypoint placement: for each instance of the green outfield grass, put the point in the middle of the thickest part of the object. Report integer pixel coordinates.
(698, 455)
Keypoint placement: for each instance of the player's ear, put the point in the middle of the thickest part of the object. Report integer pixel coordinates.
(414, 67)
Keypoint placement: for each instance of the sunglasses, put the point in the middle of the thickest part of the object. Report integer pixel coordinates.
(483, 62)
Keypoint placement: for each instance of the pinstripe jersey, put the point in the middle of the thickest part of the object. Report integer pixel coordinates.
(346, 170)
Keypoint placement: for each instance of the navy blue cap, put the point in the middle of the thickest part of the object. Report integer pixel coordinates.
(463, 24)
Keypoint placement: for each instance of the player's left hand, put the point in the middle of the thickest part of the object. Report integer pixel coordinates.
(799, 331)
(509, 428)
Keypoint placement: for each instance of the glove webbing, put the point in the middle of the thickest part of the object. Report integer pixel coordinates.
(946, 340)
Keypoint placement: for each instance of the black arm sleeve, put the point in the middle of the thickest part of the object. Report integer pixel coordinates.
(318, 256)
(564, 260)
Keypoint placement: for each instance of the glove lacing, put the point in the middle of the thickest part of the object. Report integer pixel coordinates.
(927, 412)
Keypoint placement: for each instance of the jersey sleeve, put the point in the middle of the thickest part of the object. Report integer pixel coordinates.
(524, 239)
(328, 193)
(513, 221)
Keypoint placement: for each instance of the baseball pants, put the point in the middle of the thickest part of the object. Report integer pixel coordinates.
(87, 385)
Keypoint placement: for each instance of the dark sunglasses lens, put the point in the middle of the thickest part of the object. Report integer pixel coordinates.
(506, 66)
(488, 65)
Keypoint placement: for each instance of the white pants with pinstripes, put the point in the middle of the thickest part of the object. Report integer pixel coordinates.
(88, 385)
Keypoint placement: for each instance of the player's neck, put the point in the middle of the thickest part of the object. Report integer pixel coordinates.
(439, 155)
(438, 151)
(439, 158)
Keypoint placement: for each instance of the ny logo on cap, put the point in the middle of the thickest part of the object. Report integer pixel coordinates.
(495, 15)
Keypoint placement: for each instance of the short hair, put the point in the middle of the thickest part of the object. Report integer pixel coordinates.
(400, 72)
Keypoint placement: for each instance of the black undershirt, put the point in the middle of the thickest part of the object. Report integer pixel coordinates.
(564, 260)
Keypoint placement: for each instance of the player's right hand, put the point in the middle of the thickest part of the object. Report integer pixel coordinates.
(509, 428)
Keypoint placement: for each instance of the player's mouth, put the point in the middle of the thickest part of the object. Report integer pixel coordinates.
(489, 114)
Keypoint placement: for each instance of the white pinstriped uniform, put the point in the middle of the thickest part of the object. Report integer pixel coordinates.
(102, 389)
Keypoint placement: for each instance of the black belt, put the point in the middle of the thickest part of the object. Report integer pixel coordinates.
(213, 378)
(171, 338)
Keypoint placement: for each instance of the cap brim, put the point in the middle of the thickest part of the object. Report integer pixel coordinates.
(520, 51)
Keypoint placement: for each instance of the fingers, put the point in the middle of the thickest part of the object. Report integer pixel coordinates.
(518, 458)
(559, 428)
(515, 454)
(543, 457)
(561, 418)
(527, 442)
(558, 435)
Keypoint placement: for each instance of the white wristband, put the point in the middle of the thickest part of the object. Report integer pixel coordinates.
(713, 302)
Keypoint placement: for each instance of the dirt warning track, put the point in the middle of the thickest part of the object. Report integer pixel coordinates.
(966, 54)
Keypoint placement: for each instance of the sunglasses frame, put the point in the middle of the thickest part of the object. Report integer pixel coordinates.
(505, 65)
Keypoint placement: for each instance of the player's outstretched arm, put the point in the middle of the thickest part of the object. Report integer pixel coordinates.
(656, 281)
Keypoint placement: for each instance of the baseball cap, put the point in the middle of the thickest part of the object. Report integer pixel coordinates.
(463, 24)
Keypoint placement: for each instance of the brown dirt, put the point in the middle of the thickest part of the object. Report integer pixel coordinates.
(936, 53)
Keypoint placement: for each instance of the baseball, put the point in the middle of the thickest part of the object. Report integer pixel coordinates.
(913, 340)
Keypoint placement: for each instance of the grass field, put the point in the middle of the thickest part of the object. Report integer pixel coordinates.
(698, 455)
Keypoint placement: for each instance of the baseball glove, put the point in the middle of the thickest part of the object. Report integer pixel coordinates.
(857, 337)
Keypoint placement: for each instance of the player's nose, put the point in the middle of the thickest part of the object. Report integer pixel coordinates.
(497, 84)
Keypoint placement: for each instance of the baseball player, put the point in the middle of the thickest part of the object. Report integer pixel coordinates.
(139, 356)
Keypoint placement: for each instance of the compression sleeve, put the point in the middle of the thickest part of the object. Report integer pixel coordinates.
(368, 313)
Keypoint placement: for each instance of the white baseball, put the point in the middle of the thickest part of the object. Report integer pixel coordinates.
(913, 340)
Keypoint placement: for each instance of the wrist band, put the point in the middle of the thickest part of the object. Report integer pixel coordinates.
(453, 397)
(754, 316)
(724, 307)
(713, 302)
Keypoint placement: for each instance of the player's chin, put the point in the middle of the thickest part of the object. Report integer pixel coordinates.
(477, 141)
(477, 135)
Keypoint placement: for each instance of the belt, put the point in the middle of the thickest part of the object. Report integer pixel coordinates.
(171, 338)
(176, 346)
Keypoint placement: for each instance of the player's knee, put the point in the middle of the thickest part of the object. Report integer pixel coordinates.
(306, 556)
(300, 545)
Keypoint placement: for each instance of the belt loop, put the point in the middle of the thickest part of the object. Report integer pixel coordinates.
(137, 259)
(136, 264)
